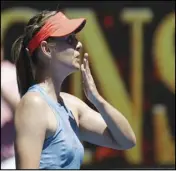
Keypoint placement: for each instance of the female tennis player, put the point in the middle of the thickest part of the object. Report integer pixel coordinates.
(50, 124)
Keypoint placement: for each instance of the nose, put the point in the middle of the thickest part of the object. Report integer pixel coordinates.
(78, 46)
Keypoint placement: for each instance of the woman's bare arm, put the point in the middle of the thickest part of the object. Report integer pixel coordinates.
(30, 127)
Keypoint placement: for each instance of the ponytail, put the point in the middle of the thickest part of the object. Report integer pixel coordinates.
(24, 73)
(20, 55)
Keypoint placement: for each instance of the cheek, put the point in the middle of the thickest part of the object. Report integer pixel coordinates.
(68, 53)
(65, 56)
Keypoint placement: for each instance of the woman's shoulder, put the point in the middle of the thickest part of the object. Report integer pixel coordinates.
(32, 97)
(31, 116)
(78, 103)
(71, 98)
(32, 101)
(31, 107)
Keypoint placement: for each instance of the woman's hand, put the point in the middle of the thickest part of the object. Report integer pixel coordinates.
(90, 89)
(110, 128)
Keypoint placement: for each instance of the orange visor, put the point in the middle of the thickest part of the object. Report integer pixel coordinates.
(56, 26)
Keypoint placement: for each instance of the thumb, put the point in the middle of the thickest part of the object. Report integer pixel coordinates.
(82, 67)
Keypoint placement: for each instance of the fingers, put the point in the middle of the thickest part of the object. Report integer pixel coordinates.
(84, 75)
(82, 67)
(83, 71)
(85, 67)
(86, 62)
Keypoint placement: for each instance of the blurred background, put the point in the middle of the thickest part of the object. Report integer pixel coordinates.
(132, 57)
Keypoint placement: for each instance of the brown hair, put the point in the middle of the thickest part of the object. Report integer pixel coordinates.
(20, 55)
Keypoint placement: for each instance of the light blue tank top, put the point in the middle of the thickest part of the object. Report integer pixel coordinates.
(63, 150)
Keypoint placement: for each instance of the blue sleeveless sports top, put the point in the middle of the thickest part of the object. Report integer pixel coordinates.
(63, 150)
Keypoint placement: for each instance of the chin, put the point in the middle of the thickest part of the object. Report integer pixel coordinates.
(76, 65)
(73, 68)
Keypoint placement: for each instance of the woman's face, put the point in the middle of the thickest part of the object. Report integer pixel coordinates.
(66, 53)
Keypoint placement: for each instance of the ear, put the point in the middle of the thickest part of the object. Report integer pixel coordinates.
(45, 49)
